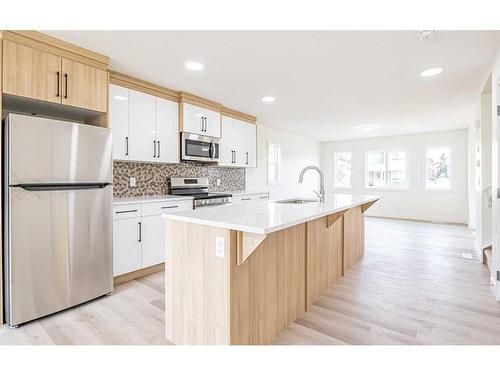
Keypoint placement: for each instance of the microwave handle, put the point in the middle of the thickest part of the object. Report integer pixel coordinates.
(212, 150)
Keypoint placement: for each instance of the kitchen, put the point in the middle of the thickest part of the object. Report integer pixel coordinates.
(164, 216)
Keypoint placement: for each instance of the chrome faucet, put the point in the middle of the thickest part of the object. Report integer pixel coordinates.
(321, 194)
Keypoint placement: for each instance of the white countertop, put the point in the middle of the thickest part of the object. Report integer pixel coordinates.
(150, 199)
(263, 217)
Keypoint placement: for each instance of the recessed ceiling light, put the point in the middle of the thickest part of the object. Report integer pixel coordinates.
(194, 65)
(268, 98)
(431, 72)
(119, 97)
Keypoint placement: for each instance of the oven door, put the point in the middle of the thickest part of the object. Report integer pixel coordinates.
(199, 148)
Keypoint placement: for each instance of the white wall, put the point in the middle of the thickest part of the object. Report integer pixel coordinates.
(297, 152)
(495, 180)
(483, 186)
(415, 202)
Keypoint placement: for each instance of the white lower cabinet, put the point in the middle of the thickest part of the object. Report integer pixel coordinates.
(153, 243)
(127, 254)
(138, 234)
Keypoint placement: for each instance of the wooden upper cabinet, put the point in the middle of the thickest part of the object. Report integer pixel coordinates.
(31, 73)
(84, 86)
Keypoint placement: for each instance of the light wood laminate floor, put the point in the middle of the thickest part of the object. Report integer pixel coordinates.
(412, 287)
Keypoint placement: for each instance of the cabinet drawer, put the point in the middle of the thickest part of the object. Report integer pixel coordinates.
(158, 208)
(126, 211)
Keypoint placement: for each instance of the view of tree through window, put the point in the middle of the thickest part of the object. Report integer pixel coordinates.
(386, 169)
(437, 168)
(343, 169)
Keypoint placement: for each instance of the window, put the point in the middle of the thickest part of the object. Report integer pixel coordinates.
(386, 169)
(342, 169)
(273, 164)
(437, 168)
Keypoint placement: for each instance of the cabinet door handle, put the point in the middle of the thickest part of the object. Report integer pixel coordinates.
(140, 231)
(58, 84)
(125, 212)
(65, 86)
(247, 157)
(246, 199)
(154, 149)
(169, 207)
(235, 156)
(201, 121)
(159, 150)
(126, 146)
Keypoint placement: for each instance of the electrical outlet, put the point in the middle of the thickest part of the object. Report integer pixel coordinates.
(132, 182)
(220, 247)
(218, 182)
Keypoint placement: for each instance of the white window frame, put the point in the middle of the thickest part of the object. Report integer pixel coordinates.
(388, 187)
(450, 170)
(335, 168)
(279, 163)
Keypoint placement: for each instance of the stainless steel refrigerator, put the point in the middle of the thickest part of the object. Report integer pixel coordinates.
(57, 228)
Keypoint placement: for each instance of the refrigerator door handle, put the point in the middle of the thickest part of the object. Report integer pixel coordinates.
(56, 187)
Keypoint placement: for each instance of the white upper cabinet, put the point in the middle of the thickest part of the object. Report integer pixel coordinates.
(142, 126)
(167, 131)
(202, 121)
(227, 143)
(118, 120)
(249, 144)
(238, 145)
(145, 127)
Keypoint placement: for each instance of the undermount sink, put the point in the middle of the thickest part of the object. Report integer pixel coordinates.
(297, 201)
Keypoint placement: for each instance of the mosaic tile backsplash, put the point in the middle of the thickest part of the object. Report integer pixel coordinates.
(152, 179)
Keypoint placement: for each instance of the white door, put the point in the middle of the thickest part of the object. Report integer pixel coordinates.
(142, 126)
(126, 245)
(226, 142)
(167, 131)
(202, 121)
(250, 145)
(193, 119)
(118, 120)
(153, 248)
(212, 123)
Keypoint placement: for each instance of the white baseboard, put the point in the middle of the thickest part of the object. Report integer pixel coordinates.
(418, 218)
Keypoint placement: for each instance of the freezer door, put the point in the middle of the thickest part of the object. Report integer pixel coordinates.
(60, 249)
(50, 151)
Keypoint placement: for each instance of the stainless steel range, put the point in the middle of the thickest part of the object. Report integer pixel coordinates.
(198, 189)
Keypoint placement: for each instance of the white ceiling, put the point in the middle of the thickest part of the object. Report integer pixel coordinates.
(326, 83)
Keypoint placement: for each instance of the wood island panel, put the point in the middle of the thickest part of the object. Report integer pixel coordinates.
(268, 291)
(324, 255)
(354, 236)
(196, 285)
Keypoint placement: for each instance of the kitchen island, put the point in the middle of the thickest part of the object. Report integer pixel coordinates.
(240, 274)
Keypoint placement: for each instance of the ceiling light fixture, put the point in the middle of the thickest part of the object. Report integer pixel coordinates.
(431, 72)
(194, 65)
(268, 99)
(119, 97)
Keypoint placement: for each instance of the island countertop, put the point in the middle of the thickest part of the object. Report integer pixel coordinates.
(269, 216)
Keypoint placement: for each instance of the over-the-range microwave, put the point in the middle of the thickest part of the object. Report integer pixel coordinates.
(201, 148)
